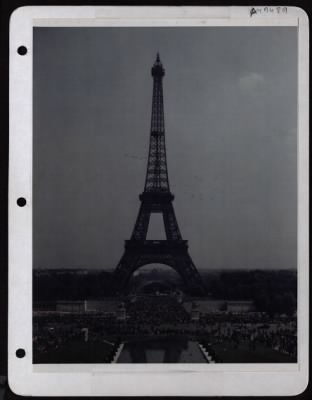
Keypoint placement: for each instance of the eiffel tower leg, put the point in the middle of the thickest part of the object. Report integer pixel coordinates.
(192, 280)
(141, 225)
(125, 268)
(171, 224)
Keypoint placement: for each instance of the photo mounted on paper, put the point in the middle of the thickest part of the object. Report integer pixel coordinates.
(158, 200)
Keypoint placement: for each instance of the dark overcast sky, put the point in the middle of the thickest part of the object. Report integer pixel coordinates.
(230, 114)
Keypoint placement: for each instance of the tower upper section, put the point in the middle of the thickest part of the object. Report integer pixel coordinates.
(158, 69)
(157, 174)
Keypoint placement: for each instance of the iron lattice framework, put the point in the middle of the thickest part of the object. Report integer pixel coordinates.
(157, 174)
(157, 198)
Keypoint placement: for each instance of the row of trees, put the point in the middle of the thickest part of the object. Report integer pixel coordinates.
(271, 291)
(68, 285)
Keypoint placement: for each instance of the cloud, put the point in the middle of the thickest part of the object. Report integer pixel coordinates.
(251, 81)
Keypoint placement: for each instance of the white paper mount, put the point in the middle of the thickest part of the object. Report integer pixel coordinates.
(130, 379)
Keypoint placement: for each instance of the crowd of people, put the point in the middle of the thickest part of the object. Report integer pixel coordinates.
(157, 310)
(165, 316)
(53, 331)
(276, 335)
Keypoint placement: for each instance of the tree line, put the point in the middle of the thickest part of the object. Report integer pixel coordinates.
(271, 291)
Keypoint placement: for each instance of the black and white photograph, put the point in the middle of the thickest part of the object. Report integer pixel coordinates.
(165, 194)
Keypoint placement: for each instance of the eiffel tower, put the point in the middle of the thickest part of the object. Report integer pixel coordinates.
(157, 198)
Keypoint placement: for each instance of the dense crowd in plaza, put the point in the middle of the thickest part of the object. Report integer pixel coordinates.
(277, 335)
(165, 316)
(157, 311)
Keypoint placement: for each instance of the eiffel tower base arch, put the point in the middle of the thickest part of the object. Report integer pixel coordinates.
(174, 254)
